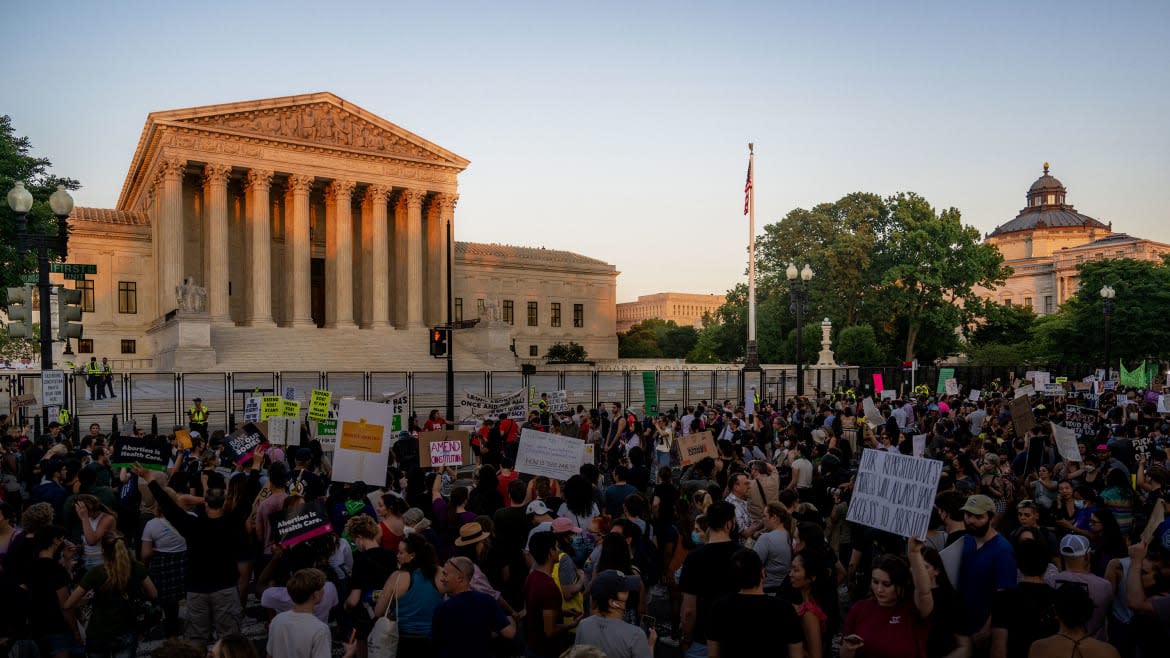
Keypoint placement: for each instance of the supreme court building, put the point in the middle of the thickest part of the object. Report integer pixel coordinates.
(268, 234)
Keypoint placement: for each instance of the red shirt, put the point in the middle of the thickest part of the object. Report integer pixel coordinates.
(504, 481)
(541, 593)
(435, 425)
(895, 632)
(509, 430)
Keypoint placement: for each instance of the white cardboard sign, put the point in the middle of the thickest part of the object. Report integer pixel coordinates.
(551, 455)
(895, 492)
(365, 432)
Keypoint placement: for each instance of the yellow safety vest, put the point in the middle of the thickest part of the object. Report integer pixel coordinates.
(63, 416)
(198, 414)
(107, 369)
(94, 368)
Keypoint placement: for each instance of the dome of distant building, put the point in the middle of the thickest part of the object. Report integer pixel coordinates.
(1047, 209)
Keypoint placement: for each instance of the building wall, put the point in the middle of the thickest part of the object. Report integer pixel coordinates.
(1043, 243)
(685, 309)
(521, 282)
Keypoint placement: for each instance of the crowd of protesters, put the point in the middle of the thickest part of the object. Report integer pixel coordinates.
(747, 553)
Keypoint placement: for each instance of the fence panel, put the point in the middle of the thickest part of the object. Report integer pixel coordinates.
(247, 384)
(611, 387)
(727, 387)
(504, 383)
(699, 387)
(211, 387)
(671, 389)
(351, 385)
(382, 383)
(542, 382)
(153, 395)
(302, 384)
(579, 389)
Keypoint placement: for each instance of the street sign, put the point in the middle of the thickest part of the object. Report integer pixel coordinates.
(53, 388)
(73, 268)
(74, 276)
(30, 279)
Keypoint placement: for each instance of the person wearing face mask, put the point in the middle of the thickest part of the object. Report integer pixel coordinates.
(987, 566)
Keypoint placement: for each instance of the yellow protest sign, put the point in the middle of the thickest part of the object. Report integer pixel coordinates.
(361, 436)
(319, 405)
(290, 408)
(270, 405)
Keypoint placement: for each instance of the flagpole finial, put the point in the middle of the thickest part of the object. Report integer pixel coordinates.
(751, 147)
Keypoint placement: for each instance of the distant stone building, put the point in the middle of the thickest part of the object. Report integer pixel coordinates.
(1046, 242)
(314, 234)
(685, 309)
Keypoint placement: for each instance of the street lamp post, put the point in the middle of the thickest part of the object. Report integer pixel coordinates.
(20, 200)
(798, 291)
(1107, 295)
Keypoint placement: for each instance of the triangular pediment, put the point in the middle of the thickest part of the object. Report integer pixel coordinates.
(322, 120)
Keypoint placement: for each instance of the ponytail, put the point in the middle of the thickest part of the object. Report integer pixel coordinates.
(116, 561)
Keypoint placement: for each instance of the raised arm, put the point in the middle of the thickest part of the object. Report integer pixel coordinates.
(923, 596)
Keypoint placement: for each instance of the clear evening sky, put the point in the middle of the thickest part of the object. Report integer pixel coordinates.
(619, 130)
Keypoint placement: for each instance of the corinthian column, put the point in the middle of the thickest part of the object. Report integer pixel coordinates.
(445, 203)
(377, 196)
(260, 287)
(297, 242)
(215, 180)
(414, 258)
(170, 251)
(341, 192)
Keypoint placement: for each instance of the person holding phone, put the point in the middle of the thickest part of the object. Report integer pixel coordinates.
(605, 629)
(895, 621)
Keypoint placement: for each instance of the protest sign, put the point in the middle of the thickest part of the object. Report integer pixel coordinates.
(895, 492)
(1142, 445)
(252, 410)
(300, 523)
(290, 393)
(515, 405)
(244, 441)
(558, 401)
(879, 384)
(1079, 420)
(1060, 380)
(952, 386)
(952, 559)
(53, 388)
(400, 404)
(1066, 442)
(943, 375)
(918, 445)
(1054, 390)
(1162, 404)
(183, 438)
(365, 434)
(325, 432)
(872, 416)
(319, 404)
(1027, 390)
(290, 408)
(650, 392)
(27, 400)
(270, 405)
(1039, 378)
(973, 396)
(590, 456)
(444, 448)
(151, 453)
(1022, 417)
(889, 394)
(695, 446)
(551, 455)
(282, 431)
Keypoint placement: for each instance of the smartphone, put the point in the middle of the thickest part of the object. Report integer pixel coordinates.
(648, 623)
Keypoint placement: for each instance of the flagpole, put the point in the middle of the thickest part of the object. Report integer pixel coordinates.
(752, 357)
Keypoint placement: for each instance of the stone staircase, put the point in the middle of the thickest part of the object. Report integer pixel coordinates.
(309, 348)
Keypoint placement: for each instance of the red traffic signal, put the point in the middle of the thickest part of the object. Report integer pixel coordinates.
(439, 338)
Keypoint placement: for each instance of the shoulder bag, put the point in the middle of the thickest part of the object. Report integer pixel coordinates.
(382, 641)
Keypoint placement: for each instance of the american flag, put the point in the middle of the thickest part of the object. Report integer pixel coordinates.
(747, 189)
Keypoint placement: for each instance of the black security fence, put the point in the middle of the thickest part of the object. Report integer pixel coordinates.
(160, 400)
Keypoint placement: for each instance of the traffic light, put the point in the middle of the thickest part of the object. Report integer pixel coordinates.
(20, 323)
(439, 337)
(68, 313)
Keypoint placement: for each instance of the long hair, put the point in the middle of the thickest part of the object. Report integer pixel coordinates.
(615, 554)
(94, 505)
(458, 497)
(116, 562)
(422, 555)
(579, 495)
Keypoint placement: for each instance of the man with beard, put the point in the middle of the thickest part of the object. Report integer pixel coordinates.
(988, 565)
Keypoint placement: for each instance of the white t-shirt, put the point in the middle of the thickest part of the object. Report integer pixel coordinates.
(802, 470)
(166, 539)
(277, 598)
(299, 635)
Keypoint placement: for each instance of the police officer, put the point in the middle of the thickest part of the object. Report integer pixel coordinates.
(543, 407)
(197, 415)
(93, 379)
(107, 377)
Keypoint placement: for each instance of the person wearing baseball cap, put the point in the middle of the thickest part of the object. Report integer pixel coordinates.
(1074, 553)
(605, 628)
(988, 564)
(540, 518)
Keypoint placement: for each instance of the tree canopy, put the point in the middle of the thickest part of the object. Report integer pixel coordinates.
(656, 339)
(16, 164)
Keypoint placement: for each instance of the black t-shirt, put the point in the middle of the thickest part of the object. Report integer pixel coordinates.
(44, 577)
(371, 568)
(306, 483)
(743, 623)
(707, 573)
(667, 495)
(1026, 612)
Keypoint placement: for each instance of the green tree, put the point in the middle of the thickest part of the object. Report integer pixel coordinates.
(706, 347)
(858, 346)
(678, 342)
(639, 342)
(810, 344)
(930, 265)
(569, 352)
(1138, 329)
(1003, 324)
(15, 349)
(17, 165)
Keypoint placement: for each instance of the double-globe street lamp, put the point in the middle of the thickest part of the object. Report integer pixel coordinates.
(1107, 295)
(798, 291)
(20, 200)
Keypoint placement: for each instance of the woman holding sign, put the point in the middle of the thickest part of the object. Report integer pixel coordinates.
(895, 621)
